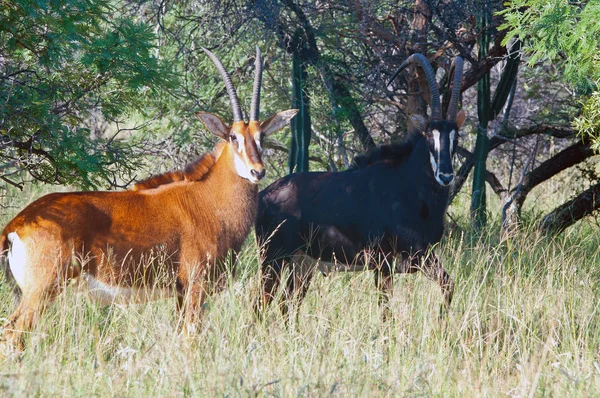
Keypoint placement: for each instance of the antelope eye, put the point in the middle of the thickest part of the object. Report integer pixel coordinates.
(232, 138)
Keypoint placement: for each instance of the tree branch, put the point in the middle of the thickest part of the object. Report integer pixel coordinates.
(566, 158)
(14, 184)
(507, 134)
(354, 116)
(463, 172)
(572, 211)
(270, 144)
(495, 184)
(497, 140)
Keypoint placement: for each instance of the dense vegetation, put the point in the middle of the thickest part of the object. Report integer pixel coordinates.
(96, 94)
(93, 90)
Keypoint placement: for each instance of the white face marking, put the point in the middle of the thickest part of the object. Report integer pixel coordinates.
(436, 140)
(241, 143)
(452, 134)
(105, 294)
(257, 140)
(447, 175)
(436, 146)
(434, 167)
(238, 160)
(17, 258)
(241, 168)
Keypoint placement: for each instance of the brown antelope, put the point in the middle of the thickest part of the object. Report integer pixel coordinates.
(391, 205)
(108, 241)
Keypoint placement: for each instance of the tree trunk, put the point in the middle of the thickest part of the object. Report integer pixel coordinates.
(344, 100)
(301, 124)
(480, 154)
(487, 111)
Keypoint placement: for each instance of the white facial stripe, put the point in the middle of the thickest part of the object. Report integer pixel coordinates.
(241, 168)
(257, 140)
(241, 143)
(434, 165)
(452, 134)
(436, 141)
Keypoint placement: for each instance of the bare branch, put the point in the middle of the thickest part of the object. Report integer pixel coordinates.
(572, 211)
(14, 184)
(271, 144)
(566, 158)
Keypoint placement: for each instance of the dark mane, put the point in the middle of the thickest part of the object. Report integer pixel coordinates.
(192, 172)
(396, 152)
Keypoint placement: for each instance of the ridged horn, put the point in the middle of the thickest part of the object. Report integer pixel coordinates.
(456, 73)
(436, 108)
(255, 107)
(235, 103)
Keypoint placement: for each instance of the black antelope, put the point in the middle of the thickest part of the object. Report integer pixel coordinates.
(390, 205)
(109, 241)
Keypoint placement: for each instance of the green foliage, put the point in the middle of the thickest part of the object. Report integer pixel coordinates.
(66, 69)
(559, 31)
(588, 122)
(566, 34)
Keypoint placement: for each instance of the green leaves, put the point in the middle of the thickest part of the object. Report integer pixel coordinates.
(69, 68)
(588, 123)
(558, 31)
(566, 34)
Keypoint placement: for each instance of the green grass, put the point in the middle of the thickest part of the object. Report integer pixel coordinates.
(524, 322)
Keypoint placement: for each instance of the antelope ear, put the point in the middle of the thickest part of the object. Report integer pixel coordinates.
(460, 118)
(214, 124)
(277, 121)
(419, 122)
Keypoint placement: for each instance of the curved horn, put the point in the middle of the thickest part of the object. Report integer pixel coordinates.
(255, 107)
(436, 109)
(456, 72)
(235, 103)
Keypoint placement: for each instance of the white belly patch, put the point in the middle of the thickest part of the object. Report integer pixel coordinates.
(106, 294)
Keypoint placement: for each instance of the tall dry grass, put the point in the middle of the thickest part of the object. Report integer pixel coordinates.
(524, 322)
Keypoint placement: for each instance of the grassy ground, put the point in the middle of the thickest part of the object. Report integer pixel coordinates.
(524, 322)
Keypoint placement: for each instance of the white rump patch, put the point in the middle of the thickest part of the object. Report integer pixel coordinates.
(106, 294)
(17, 258)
